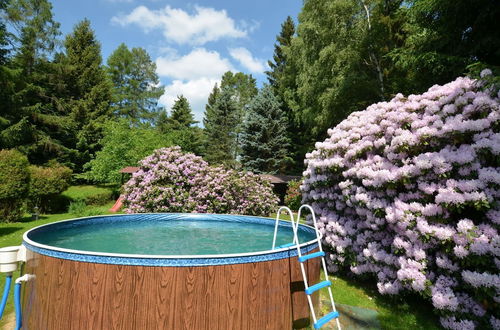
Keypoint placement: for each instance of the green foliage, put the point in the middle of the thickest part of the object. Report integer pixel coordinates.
(244, 88)
(87, 88)
(122, 146)
(191, 139)
(135, 84)
(293, 197)
(212, 98)
(91, 195)
(279, 65)
(14, 184)
(327, 52)
(444, 37)
(46, 183)
(36, 31)
(182, 116)
(77, 208)
(264, 140)
(221, 121)
(35, 120)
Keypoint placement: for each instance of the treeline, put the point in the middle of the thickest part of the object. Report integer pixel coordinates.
(344, 55)
(59, 102)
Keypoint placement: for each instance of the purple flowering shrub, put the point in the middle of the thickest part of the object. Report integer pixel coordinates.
(172, 181)
(408, 191)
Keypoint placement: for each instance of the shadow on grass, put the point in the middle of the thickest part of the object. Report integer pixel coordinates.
(396, 311)
(9, 230)
(29, 219)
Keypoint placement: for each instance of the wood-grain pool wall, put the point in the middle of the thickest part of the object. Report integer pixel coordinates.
(67, 294)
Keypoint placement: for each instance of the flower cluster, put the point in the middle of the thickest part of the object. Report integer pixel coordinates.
(408, 190)
(171, 181)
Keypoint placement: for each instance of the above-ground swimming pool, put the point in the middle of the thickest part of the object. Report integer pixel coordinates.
(166, 271)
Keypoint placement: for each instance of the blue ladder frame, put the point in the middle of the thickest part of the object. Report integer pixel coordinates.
(309, 290)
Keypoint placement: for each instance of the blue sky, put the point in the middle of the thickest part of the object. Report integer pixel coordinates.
(192, 43)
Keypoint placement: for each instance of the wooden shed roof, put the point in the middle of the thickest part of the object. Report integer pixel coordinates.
(278, 178)
(129, 169)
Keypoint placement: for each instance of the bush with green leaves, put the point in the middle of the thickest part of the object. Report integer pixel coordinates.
(46, 183)
(122, 146)
(293, 197)
(14, 184)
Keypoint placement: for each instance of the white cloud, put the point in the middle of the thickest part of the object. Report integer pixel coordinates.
(196, 91)
(204, 25)
(246, 59)
(200, 63)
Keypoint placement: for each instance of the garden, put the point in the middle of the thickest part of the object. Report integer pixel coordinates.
(386, 112)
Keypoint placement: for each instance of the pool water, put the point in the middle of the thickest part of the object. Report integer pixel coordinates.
(176, 235)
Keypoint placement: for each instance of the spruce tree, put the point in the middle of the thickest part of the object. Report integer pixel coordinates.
(279, 63)
(264, 139)
(36, 122)
(182, 116)
(220, 122)
(212, 98)
(282, 77)
(89, 90)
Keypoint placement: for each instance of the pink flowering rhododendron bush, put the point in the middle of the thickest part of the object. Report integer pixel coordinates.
(408, 191)
(172, 181)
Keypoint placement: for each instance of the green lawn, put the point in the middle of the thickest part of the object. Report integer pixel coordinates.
(405, 313)
(85, 191)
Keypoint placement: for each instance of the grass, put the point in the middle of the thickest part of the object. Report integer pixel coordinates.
(405, 313)
(393, 312)
(85, 191)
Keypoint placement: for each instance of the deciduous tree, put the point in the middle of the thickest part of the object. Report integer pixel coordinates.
(136, 87)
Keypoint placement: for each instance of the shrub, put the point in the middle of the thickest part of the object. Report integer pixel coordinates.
(408, 191)
(14, 183)
(293, 197)
(122, 146)
(46, 183)
(77, 208)
(171, 181)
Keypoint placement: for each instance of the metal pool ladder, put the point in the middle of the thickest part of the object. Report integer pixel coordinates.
(309, 290)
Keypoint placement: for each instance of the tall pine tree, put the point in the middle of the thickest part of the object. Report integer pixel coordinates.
(88, 88)
(264, 139)
(220, 123)
(278, 65)
(281, 77)
(37, 121)
(212, 98)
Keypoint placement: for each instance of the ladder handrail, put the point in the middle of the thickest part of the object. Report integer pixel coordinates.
(278, 218)
(319, 236)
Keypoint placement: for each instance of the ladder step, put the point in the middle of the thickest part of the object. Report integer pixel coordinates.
(318, 286)
(328, 317)
(311, 255)
(285, 245)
